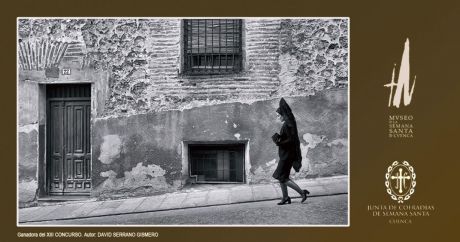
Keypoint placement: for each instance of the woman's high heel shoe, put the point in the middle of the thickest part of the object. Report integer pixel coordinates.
(285, 200)
(304, 195)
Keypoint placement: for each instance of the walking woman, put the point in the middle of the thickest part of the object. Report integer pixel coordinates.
(289, 152)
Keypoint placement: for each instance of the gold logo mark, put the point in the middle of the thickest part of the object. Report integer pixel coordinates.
(400, 181)
(403, 84)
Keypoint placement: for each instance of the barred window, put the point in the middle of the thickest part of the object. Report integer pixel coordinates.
(217, 163)
(212, 46)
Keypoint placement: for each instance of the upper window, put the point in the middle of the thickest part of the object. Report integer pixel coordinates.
(212, 46)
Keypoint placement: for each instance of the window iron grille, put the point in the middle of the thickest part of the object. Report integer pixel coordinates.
(212, 46)
(211, 163)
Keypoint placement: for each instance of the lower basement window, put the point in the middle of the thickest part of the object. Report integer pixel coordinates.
(213, 163)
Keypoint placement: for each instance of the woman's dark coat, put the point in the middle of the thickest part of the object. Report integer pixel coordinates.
(288, 146)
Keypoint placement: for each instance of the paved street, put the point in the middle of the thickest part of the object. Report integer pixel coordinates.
(317, 210)
(203, 195)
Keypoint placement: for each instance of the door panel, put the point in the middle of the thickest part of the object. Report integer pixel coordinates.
(56, 153)
(76, 155)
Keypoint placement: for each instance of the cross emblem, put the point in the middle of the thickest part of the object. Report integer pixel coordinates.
(401, 180)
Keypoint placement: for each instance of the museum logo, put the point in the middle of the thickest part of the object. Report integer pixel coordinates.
(401, 125)
(403, 83)
(400, 181)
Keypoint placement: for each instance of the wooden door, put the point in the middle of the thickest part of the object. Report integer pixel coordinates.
(69, 149)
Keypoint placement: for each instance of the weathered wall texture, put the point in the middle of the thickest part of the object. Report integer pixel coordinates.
(313, 56)
(147, 157)
(143, 106)
(28, 141)
(143, 56)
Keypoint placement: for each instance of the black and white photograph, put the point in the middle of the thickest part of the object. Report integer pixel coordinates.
(176, 121)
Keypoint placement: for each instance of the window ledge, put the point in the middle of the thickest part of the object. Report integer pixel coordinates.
(187, 75)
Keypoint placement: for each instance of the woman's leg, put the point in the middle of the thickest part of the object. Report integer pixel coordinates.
(294, 186)
(284, 189)
(286, 198)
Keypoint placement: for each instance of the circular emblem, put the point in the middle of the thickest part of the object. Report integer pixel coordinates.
(400, 181)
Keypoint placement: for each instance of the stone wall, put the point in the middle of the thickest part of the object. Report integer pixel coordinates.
(28, 141)
(313, 55)
(147, 158)
(143, 57)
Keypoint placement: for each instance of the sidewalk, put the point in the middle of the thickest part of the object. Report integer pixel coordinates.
(189, 198)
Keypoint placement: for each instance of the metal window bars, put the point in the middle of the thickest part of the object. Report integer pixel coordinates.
(212, 46)
(217, 163)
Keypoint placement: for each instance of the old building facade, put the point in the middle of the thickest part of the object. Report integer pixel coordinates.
(135, 107)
